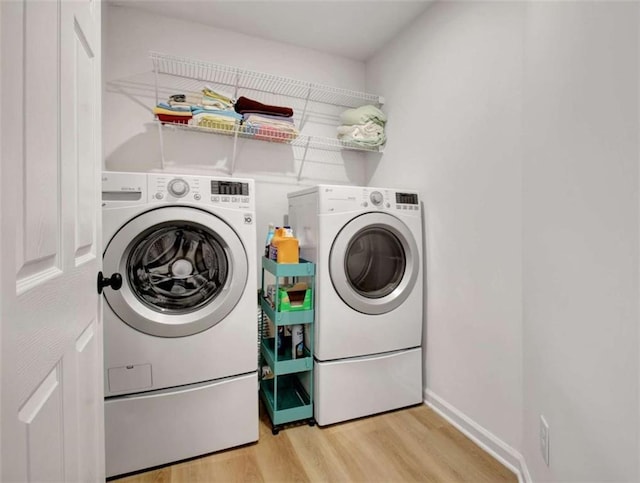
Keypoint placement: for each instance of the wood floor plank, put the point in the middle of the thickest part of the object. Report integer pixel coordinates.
(414, 444)
(321, 462)
(460, 454)
(420, 443)
(276, 456)
(162, 475)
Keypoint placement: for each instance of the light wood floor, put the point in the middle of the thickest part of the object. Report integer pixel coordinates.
(412, 444)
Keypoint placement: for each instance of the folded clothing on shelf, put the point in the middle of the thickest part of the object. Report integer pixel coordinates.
(216, 99)
(165, 113)
(362, 115)
(369, 134)
(270, 128)
(209, 92)
(216, 119)
(215, 103)
(363, 126)
(175, 107)
(179, 104)
(244, 105)
(207, 111)
(173, 119)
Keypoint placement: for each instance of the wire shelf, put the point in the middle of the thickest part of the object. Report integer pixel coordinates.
(252, 80)
(249, 132)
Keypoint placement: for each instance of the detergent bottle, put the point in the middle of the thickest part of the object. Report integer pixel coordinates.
(284, 246)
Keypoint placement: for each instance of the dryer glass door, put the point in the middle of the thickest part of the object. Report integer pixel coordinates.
(183, 270)
(374, 263)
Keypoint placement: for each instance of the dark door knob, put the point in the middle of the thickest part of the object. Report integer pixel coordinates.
(115, 282)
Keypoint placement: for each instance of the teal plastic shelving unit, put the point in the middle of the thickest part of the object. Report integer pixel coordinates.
(288, 395)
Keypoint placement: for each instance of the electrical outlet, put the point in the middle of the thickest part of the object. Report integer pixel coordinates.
(544, 439)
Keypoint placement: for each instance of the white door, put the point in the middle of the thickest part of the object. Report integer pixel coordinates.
(51, 400)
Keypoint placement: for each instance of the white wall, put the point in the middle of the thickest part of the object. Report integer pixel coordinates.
(131, 140)
(580, 245)
(519, 124)
(453, 84)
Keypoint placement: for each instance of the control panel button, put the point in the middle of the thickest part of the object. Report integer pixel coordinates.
(234, 199)
(388, 205)
(159, 196)
(376, 198)
(365, 204)
(197, 197)
(225, 199)
(215, 198)
(245, 199)
(178, 187)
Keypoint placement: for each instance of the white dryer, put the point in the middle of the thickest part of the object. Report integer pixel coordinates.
(367, 244)
(180, 335)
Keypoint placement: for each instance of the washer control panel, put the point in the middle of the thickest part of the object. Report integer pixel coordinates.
(178, 187)
(224, 192)
(376, 198)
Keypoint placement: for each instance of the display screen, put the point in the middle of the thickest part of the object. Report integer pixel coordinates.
(229, 188)
(407, 198)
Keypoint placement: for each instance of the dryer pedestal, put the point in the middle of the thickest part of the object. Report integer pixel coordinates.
(360, 386)
(158, 427)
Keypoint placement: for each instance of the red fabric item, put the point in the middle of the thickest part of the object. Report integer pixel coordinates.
(244, 105)
(173, 119)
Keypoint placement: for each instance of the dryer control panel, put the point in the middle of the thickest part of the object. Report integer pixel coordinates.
(342, 199)
(230, 193)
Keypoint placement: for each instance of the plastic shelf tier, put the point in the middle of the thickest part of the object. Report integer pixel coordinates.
(288, 391)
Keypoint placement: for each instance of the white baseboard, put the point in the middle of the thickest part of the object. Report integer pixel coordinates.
(493, 445)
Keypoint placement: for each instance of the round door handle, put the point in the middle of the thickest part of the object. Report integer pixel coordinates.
(115, 282)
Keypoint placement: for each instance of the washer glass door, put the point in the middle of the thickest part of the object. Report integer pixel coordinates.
(374, 263)
(177, 268)
(183, 270)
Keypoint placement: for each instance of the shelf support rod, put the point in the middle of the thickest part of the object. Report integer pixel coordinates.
(155, 72)
(304, 157)
(235, 143)
(235, 89)
(304, 109)
(161, 145)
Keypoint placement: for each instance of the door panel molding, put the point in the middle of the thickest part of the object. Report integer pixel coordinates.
(39, 230)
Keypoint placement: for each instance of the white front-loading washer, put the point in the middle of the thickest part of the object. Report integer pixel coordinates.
(180, 335)
(367, 244)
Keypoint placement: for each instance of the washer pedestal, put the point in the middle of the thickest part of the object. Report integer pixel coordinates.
(151, 429)
(360, 386)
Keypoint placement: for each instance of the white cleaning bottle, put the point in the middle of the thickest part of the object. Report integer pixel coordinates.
(267, 242)
(297, 341)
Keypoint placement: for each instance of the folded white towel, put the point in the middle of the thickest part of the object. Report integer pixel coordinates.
(360, 131)
(368, 134)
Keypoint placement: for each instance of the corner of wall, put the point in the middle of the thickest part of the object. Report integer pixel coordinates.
(498, 449)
